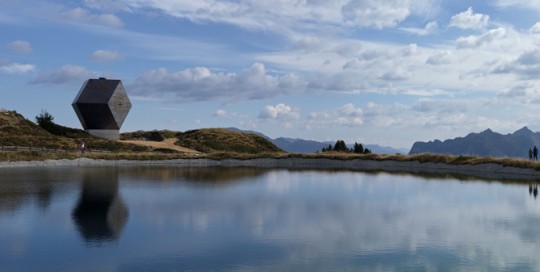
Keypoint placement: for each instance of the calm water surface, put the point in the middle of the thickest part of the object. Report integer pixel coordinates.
(216, 219)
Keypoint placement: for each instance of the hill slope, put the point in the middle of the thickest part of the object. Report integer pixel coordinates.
(223, 140)
(15, 130)
(486, 143)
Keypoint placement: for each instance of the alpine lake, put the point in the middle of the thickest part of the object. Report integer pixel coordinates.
(253, 219)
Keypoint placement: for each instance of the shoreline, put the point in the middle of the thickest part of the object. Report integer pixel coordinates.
(491, 171)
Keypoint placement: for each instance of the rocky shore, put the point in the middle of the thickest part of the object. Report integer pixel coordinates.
(486, 171)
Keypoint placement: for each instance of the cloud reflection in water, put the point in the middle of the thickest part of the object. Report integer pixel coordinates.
(264, 220)
(315, 218)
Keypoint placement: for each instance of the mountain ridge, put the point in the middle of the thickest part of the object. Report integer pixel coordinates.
(485, 143)
(298, 145)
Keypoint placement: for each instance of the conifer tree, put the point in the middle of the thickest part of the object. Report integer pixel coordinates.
(340, 146)
(358, 148)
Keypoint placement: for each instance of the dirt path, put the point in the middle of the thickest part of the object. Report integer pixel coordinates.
(167, 143)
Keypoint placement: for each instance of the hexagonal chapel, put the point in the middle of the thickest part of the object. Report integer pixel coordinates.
(102, 105)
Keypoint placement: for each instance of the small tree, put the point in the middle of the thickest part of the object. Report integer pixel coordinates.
(340, 146)
(358, 148)
(45, 120)
(327, 149)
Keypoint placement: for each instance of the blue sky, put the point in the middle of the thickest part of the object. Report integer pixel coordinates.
(377, 72)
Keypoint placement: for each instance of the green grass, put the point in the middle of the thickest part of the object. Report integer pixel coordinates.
(212, 140)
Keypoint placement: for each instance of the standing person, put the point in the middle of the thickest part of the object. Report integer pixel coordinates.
(535, 152)
(530, 154)
(83, 148)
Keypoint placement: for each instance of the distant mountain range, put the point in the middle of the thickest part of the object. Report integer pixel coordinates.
(309, 146)
(485, 143)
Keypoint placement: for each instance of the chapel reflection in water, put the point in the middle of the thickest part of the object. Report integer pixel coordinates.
(100, 214)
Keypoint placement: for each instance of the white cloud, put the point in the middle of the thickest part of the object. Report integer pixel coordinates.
(317, 116)
(428, 29)
(19, 46)
(347, 115)
(469, 20)
(280, 112)
(522, 4)
(66, 74)
(476, 41)
(408, 50)
(531, 57)
(396, 75)
(16, 68)
(349, 122)
(307, 43)
(83, 16)
(440, 58)
(447, 116)
(456, 116)
(431, 105)
(282, 14)
(220, 113)
(110, 6)
(527, 92)
(105, 55)
(535, 28)
(360, 67)
(203, 84)
(375, 13)
(525, 67)
(349, 110)
(439, 69)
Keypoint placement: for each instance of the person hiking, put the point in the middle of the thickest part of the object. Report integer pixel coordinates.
(530, 154)
(535, 153)
(83, 148)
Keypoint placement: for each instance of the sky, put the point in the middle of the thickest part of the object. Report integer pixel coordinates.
(387, 72)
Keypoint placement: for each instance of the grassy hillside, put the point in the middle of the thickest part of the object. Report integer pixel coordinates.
(223, 140)
(210, 140)
(15, 130)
